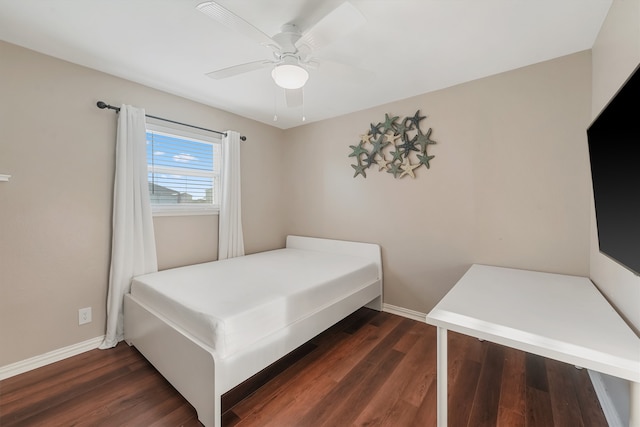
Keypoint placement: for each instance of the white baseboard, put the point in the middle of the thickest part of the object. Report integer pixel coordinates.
(26, 365)
(404, 312)
(608, 407)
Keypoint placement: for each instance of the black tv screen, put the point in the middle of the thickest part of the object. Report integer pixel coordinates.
(614, 153)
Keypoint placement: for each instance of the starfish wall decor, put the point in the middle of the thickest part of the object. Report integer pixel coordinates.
(399, 148)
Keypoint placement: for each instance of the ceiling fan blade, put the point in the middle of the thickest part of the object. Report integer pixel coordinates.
(234, 22)
(294, 97)
(239, 69)
(336, 24)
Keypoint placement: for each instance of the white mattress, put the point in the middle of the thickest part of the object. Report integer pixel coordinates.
(231, 304)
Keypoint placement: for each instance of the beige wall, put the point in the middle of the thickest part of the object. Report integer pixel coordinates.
(509, 184)
(616, 53)
(55, 213)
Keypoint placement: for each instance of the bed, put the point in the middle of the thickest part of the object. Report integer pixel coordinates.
(208, 327)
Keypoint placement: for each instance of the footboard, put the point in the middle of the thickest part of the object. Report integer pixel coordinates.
(188, 365)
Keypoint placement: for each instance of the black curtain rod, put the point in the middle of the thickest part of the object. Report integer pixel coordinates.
(103, 105)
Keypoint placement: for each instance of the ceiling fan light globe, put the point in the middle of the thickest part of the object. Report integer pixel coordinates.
(289, 76)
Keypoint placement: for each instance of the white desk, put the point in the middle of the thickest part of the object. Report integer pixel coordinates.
(556, 316)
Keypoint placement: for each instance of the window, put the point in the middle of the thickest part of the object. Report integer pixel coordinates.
(184, 171)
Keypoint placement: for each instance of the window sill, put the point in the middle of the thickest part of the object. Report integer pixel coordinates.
(159, 210)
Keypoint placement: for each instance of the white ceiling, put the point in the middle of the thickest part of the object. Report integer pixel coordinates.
(409, 46)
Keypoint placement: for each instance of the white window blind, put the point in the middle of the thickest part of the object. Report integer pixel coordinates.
(184, 171)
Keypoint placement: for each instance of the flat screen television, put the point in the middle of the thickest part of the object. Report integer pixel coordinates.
(614, 153)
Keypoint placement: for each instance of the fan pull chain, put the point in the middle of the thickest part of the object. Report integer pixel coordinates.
(304, 118)
(275, 104)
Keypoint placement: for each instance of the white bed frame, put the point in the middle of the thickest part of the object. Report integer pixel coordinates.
(200, 375)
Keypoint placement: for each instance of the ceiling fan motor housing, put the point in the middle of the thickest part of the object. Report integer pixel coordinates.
(287, 39)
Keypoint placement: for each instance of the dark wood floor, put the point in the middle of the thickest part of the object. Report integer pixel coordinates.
(372, 369)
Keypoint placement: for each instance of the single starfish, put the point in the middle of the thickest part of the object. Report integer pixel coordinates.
(379, 145)
(359, 170)
(424, 160)
(369, 158)
(408, 146)
(397, 155)
(415, 120)
(391, 137)
(402, 128)
(364, 138)
(357, 150)
(407, 168)
(389, 123)
(382, 164)
(375, 130)
(394, 168)
(423, 140)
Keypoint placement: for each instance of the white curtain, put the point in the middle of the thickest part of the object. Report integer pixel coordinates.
(230, 239)
(133, 249)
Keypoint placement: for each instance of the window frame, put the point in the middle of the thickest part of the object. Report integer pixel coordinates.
(185, 209)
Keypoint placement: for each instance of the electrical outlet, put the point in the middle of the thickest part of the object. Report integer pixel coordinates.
(84, 315)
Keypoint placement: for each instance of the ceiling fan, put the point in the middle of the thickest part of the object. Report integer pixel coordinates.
(292, 48)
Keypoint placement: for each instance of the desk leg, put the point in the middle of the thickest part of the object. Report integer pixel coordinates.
(634, 404)
(442, 373)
